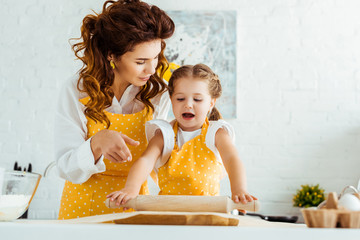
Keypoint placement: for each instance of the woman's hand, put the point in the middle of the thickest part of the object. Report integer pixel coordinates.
(122, 196)
(112, 145)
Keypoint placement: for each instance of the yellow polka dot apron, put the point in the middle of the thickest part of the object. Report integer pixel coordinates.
(87, 199)
(191, 170)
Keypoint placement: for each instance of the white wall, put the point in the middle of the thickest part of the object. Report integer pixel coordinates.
(298, 91)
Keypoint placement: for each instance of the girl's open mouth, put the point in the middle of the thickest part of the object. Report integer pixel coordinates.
(188, 116)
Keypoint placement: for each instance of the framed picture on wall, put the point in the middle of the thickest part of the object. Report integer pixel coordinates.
(207, 37)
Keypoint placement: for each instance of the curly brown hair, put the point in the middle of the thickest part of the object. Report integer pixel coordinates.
(116, 30)
(203, 72)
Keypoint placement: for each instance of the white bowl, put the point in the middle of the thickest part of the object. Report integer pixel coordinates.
(17, 190)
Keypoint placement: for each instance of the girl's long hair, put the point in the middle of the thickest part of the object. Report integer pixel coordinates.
(116, 30)
(199, 71)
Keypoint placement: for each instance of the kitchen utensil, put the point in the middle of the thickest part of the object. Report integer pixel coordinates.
(48, 168)
(29, 169)
(18, 168)
(181, 203)
(16, 194)
(289, 219)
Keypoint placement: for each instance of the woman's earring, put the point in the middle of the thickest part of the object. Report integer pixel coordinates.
(112, 64)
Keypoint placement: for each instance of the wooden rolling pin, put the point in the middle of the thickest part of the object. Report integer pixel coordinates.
(177, 203)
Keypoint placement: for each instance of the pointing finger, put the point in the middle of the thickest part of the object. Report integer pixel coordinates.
(130, 141)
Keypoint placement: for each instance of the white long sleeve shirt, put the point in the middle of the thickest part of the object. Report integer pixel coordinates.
(74, 158)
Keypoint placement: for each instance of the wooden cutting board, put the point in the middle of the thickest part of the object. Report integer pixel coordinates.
(178, 218)
(160, 218)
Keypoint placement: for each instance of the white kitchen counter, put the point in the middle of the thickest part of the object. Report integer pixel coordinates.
(36, 229)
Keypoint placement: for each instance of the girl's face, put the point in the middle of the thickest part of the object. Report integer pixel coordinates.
(191, 102)
(135, 67)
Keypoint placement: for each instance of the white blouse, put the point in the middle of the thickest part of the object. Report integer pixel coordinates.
(74, 157)
(184, 136)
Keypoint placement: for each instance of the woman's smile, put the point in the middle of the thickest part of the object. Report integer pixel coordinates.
(145, 78)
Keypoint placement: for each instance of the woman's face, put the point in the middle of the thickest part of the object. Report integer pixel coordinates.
(191, 102)
(135, 67)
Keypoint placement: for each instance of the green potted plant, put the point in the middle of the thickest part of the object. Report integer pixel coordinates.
(308, 196)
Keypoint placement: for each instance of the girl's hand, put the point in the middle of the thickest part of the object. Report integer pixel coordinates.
(122, 196)
(243, 197)
(112, 145)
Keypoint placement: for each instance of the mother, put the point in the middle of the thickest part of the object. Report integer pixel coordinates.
(102, 112)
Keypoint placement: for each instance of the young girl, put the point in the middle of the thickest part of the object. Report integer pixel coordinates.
(189, 153)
